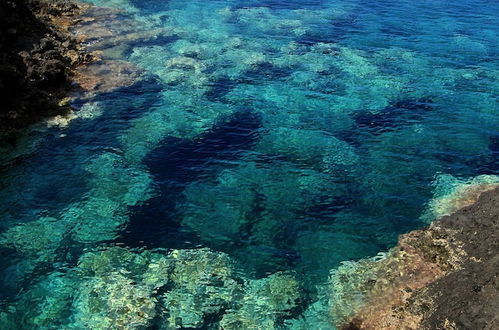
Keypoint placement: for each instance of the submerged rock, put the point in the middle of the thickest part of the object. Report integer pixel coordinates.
(452, 194)
(118, 288)
(105, 76)
(309, 146)
(37, 239)
(248, 202)
(267, 302)
(113, 302)
(203, 284)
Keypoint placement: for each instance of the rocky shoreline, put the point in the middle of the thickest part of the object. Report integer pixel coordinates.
(38, 55)
(443, 277)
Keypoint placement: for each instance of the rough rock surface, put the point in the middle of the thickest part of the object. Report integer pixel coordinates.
(442, 277)
(37, 55)
(105, 76)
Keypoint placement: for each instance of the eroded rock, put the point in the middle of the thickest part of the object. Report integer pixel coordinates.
(37, 55)
(442, 277)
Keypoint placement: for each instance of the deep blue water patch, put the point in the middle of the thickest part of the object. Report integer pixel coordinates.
(405, 112)
(178, 163)
(219, 88)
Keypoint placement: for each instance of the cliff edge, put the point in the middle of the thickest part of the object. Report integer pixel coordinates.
(37, 55)
(443, 277)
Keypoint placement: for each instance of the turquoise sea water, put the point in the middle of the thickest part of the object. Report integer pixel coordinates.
(285, 137)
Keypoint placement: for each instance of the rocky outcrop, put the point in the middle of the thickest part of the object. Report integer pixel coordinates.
(37, 55)
(442, 277)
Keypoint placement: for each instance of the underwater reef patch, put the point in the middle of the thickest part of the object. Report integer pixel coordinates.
(120, 288)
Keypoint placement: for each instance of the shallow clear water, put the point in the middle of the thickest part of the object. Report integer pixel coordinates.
(290, 135)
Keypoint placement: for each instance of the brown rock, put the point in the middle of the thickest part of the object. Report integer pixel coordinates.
(442, 277)
(105, 76)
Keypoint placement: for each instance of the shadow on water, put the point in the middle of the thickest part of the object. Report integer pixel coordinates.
(176, 164)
